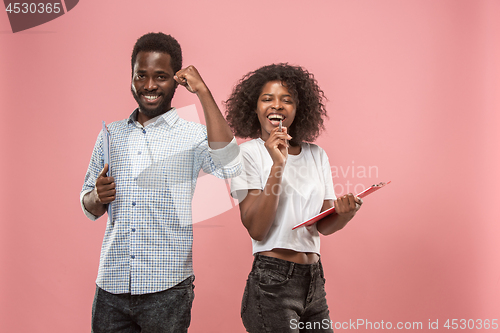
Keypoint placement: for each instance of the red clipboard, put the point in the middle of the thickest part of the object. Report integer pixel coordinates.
(327, 212)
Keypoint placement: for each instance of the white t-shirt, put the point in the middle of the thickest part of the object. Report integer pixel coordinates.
(306, 183)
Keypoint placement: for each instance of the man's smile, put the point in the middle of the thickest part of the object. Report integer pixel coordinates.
(151, 98)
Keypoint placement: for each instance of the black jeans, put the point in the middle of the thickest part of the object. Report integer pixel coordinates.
(282, 297)
(167, 311)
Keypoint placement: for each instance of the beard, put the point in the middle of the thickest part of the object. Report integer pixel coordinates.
(163, 107)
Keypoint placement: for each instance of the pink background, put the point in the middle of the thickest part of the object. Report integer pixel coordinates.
(414, 91)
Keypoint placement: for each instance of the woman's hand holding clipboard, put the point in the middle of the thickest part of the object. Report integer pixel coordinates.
(327, 212)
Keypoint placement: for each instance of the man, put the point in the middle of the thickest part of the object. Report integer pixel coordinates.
(145, 279)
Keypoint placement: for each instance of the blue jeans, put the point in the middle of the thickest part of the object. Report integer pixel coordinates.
(167, 311)
(285, 297)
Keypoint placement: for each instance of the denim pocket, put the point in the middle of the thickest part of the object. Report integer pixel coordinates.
(272, 278)
(185, 284)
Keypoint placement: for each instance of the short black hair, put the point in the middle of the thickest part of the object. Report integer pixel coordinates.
(159, 42)
(242, 104)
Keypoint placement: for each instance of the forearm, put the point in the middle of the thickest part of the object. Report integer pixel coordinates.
(260, 215)
(333, 223)
(92, 204)
(218, 131)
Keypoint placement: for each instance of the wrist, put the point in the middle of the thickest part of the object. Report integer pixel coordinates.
(278, 167)
(94, 197)
(203, 91)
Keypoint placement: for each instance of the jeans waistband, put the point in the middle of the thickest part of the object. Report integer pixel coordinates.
(287, 267)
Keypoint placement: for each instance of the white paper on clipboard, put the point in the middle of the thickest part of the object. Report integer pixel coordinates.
(106, 148)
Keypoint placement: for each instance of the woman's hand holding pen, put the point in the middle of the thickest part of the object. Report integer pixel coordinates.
(277, 145)
(258, 209)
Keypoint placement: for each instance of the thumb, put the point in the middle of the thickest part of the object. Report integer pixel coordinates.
(184, 82)
(103, 171)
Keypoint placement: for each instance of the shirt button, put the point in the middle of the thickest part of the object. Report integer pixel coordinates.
(132, 256)
(135, 178)
(133, 203)
(144, 131)
(133, 229)
(139, 152)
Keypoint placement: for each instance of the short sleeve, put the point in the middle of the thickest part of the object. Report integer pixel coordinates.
(327, 172)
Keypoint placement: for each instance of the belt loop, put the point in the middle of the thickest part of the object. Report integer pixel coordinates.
(254, 265)
(290, 269)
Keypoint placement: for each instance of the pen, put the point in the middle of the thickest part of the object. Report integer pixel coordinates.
(281, 124)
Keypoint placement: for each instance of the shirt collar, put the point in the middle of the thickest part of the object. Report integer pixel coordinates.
(170, 117)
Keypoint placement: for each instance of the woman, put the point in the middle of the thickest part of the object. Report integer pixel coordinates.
(285, 181)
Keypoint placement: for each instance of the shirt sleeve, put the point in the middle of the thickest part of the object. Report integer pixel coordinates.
(250, 177)
(327, 176)
(95, 166)
(222, 163)
(85, 211)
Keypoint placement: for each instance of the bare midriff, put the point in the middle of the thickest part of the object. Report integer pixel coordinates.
(293, 256)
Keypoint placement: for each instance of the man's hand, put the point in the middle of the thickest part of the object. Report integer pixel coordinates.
(103, 193)
(105, 187)
(191, 79)
(218, 132)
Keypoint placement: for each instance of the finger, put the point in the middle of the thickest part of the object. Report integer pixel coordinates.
(184, 82)
(358, 202)
(102, 181)
(275, 133)
(284, 132)
(188, 73)
(107, 194)
(343, 204)
(181, 78)
(178, 80)
(103, 171)
(106, 187)
(277, 142)
(181, 72)
(106, 199)
(282, 146)
(288, 136)
(351, 201)
(337, 203)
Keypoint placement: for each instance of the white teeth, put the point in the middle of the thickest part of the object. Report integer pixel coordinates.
(275, 116)
(151, 98)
